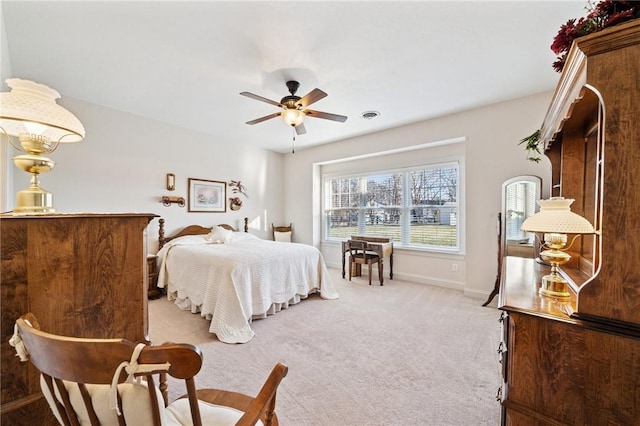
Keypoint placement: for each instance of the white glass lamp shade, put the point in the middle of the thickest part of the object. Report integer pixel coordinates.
(555, 216)
(292, 117)
(31, 108)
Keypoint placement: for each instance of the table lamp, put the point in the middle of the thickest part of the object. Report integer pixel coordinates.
(35, 124)
(555, 220)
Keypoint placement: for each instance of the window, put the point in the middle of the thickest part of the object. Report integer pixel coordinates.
(417, 207)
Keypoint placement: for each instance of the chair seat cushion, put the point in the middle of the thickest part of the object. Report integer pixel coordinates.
(179, 413)
(284, 237)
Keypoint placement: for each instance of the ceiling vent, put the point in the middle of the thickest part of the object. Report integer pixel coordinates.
(370, 115)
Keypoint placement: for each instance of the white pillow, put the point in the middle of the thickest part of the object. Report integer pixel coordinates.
(220, 235)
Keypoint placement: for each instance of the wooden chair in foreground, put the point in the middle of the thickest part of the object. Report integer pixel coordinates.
(358, 254)
(282, 233)
(83, 373)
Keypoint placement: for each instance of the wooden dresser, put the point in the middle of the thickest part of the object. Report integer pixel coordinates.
(82, 275)
(578, 363)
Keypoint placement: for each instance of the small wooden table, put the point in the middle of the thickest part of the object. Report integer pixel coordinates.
(382, 246)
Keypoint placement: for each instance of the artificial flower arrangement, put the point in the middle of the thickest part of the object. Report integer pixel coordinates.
(604, 14)
(236, 203)
(238, 188)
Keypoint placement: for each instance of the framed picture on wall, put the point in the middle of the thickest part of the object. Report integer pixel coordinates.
(207, 196)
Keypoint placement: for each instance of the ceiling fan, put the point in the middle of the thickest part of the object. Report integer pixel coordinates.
(294, 108)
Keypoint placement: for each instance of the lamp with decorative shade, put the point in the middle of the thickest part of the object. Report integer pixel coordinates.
(555, 220)
(35, 124)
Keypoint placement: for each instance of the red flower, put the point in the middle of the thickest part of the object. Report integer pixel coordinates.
(566, 34)
(616, 18)
(605, 14)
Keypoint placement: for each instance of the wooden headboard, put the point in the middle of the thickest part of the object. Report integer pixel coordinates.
(192, 230)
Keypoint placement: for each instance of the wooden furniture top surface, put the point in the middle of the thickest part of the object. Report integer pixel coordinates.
(75, 215)
(371, 239)
(521, 279)
(381, 245)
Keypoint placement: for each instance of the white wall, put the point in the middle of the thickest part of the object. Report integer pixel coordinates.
(121, 166)
(492, 155)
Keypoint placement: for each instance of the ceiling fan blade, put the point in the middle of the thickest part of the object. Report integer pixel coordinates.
(325, 115)
(265, 118)
(260, 98)
(300, 129)
(313, 96)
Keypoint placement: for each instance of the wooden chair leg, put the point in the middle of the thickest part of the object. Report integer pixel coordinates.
(370, 265)
(350, 266)
(381, 272)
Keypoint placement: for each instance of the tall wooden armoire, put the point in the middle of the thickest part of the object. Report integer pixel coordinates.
(578, 363)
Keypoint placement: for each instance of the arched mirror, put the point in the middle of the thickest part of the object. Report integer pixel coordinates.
(519, 201)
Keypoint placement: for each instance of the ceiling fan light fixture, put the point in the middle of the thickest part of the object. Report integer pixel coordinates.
(292, 117)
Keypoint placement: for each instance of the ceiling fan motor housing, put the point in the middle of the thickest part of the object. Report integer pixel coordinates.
(289, 102)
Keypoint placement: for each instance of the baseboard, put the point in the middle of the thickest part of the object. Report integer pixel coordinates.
(420, 279)
(476, 294)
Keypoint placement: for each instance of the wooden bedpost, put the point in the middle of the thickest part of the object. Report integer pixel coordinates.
(161, 234)
(246, 224)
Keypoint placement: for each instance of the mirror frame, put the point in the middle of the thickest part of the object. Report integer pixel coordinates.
(503, 216)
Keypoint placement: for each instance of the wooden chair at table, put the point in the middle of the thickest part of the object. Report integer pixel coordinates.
(79, 372)
(359, 253)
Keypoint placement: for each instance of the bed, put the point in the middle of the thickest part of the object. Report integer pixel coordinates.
(232, 278)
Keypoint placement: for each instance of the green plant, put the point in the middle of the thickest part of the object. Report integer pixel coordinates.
(532, 146)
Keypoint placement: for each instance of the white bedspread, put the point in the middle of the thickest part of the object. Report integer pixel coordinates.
(247, 278)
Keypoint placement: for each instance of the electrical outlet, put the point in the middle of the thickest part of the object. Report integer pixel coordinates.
(454, 267)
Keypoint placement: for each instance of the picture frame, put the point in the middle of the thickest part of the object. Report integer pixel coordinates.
(207, 196)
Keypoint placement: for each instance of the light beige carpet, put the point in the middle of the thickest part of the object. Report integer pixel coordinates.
(400, 354)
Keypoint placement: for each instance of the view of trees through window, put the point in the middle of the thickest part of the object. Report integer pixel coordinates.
(418, 207)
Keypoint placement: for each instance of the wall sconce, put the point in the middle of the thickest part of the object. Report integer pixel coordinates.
(35, 124)
(167, 201)
(171, 182)
(555, 219)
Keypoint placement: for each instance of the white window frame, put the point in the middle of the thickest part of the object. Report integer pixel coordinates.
(403, 242)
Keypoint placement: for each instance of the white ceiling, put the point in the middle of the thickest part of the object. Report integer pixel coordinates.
(185, 63)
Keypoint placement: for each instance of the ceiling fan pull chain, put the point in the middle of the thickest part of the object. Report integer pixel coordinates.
(293, 148)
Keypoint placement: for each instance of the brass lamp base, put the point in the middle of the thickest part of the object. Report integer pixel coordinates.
(553, 285)
(34, 200)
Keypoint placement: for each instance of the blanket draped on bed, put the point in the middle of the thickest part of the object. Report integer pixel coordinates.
(233, 283)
